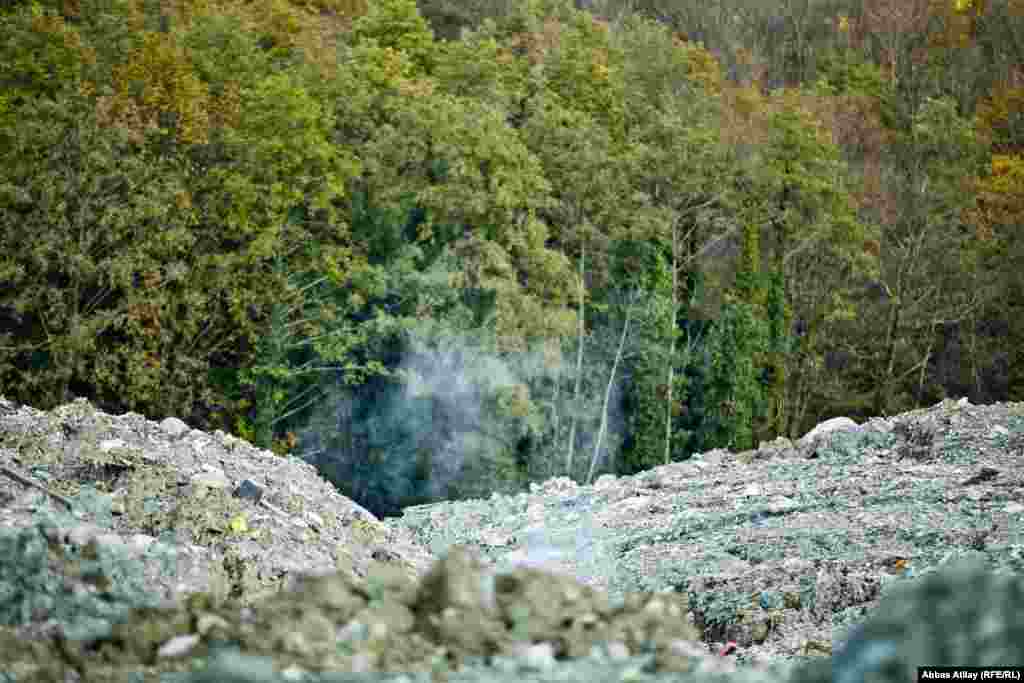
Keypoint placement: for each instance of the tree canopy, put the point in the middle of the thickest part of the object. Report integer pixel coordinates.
(455, 247)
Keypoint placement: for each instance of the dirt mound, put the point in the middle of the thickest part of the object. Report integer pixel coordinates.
(239, 520)
(133, 546)
(780, 549)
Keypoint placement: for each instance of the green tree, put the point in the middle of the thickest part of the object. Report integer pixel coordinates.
(97, 251)
(930, 260)
(313, 339)
(480, 67)
(686, 202)
(467, 168)
(40, 56)
(578, 127)
(681, 173)
(579, 160)
(816, 245)
(397, 24)
(275, 162)
(734, 396)
(584, 69)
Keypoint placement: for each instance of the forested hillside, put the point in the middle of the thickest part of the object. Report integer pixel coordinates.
(453, 248)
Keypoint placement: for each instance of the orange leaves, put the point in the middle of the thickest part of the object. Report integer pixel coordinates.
(226, 109)
(1000, 195)
(1005, 167)
(959, 22)
(536, 45)
(157, 79)
(704, 69)
(285, 444)
(423, 87)
(147, 317)
(873, 248)
(995, 112)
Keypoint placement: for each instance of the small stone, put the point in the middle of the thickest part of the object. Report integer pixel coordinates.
(178, 646)
(249, 490)
(537, 656)
(212, 478)
(617, 650)
(82, 534)
(315, 521)
(173, 427)
(826, 427)
(108, 445)
(206, 622)
(140, 542)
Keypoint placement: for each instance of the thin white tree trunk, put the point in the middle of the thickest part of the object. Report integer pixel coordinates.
(608, 390)
(557, 419)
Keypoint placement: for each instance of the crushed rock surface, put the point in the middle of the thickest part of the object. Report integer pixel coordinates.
(783, 548)
(778, 553)
(166, 483)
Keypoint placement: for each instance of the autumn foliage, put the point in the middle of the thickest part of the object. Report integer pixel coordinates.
(220, 208)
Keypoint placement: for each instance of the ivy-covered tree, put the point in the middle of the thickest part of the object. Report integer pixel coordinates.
(733, 396)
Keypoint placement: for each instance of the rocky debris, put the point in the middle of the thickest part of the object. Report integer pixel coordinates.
(131, 546)
(783, 548)
(962, 616)
(827, 427)
(127, 545)
(240, 520)
(461, 614)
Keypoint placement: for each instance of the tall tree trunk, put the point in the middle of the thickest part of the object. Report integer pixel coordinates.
(579, 364)
(608, 389)
(779, 403)
(923, 373)
(975, 368)
(556, 420)
(669, 394)
(882, 388)
(802, 393)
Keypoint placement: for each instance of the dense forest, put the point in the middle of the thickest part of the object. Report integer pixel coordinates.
(454, 247)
